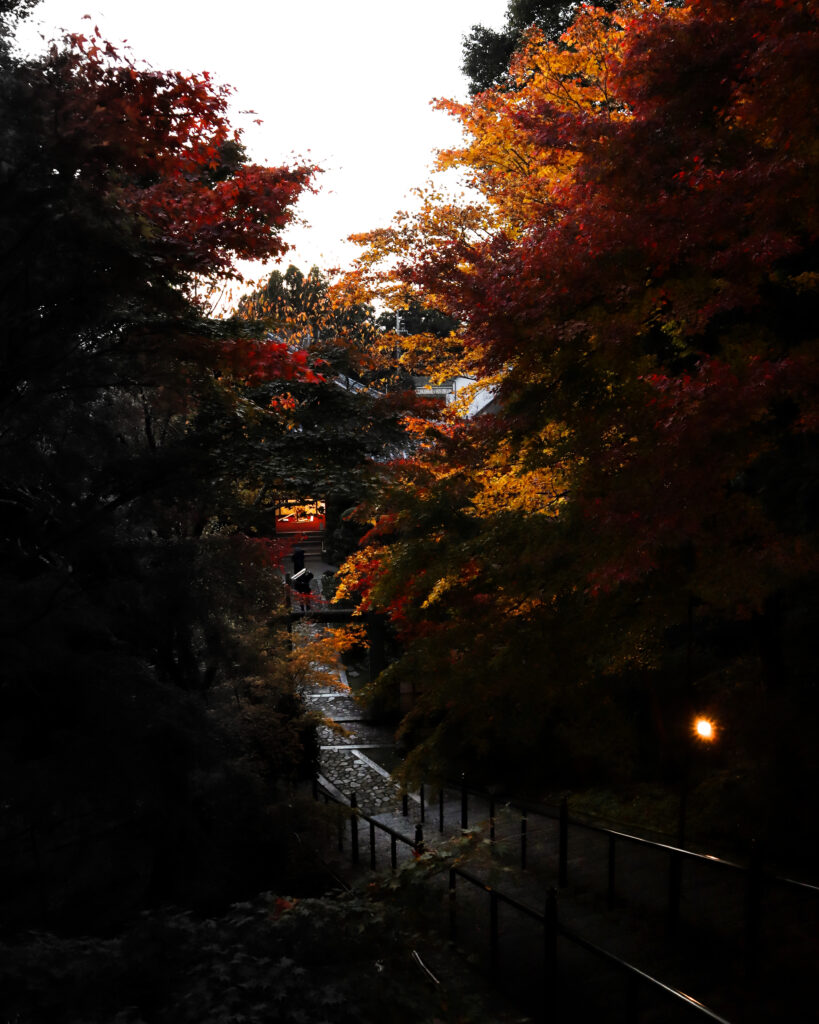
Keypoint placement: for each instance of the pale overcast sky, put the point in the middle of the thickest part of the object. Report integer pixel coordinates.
(346, 84)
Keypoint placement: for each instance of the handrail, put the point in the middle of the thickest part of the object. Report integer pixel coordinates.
(795, 883)
(695, 1004)
(502, 896)
(536, 915)
(592, 947)
(366, 817)
(678, 851)
(387, 828)
(667, 847)
(548, 812)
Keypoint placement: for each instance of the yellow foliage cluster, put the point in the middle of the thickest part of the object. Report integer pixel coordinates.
(313, 660)
(506, 484)
(440, 219)
(519, 177)
(509, 177)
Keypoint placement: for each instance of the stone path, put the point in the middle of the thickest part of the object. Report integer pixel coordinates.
(344, 762)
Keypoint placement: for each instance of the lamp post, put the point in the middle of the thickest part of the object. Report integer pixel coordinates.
(704, 731)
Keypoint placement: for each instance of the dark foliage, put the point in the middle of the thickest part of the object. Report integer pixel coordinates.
(137, 582)
(487, 53)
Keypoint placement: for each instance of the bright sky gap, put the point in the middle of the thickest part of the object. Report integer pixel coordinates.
(346, 85)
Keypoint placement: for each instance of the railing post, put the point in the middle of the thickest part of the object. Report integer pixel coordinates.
(464, 804)
(674, 890)
(441, 809)
(753, 906)
(419, 839)
(453, 924)
(563, 845)
(492, 819)
(493, 930)
(372, 845)
(42, 890)
(524, 821)
(393, 852)
(405, 804)
(550, 948)
(354, 827)
(612, 869)
(632, 998)
(422, 795)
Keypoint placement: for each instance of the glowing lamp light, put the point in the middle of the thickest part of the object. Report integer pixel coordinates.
(704, 729)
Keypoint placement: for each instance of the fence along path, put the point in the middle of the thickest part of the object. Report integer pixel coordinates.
(738, 944)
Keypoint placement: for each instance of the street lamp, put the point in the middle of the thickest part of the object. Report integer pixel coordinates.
(704, 731)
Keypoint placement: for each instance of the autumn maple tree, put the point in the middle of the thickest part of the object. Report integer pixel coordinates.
(487, 52)
(638, 283)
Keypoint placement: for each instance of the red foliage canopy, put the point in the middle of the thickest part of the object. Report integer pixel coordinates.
(161, 147)
(663, 308)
